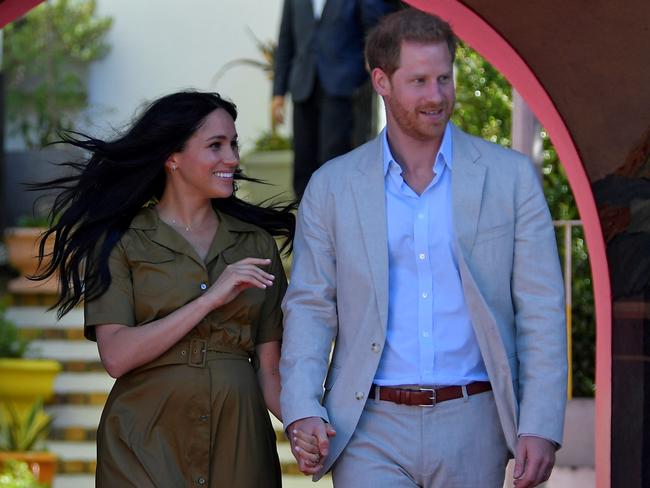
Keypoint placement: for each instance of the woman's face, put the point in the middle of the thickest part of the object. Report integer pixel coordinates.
(208, 161)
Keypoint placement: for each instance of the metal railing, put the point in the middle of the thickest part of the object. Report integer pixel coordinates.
(567, 266)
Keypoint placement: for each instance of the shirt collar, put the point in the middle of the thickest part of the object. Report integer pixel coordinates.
(444, 152)
(147, 219)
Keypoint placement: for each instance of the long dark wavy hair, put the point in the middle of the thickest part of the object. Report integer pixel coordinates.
(94, 207)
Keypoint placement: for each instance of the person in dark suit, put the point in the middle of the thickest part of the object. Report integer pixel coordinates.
(319, 60)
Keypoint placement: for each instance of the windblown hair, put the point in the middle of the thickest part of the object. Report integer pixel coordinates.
(384, 41)
(94, 206)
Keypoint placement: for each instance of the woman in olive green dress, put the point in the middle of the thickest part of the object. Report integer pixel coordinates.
(182, 284)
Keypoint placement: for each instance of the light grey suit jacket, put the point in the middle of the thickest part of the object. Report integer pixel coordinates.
(509, 267)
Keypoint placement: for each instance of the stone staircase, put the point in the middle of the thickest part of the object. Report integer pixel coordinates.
(81, 390)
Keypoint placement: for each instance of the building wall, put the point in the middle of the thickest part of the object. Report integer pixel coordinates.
(160, 46)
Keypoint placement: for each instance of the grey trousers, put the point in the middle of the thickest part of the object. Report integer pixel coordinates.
(455, 444)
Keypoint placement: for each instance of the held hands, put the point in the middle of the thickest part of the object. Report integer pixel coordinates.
(238, 277)
(534, 461)
(309, 439)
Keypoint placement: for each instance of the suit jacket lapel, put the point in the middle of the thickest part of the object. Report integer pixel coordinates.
(468, 177)
(368, 190)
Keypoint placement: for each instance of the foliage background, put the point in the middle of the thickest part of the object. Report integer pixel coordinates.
(483, 108)
(45, 58)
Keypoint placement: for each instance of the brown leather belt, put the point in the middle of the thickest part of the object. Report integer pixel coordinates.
(427, 397)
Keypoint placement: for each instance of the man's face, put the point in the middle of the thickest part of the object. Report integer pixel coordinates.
(420, 94)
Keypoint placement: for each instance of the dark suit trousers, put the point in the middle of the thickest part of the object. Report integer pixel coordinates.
(322, 129)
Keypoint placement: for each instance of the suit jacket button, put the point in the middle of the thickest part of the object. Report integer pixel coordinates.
(359, 395)
(374, 347)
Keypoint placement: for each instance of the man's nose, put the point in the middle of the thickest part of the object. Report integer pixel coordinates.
(434, 93)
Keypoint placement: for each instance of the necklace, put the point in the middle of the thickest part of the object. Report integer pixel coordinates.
(186, 227)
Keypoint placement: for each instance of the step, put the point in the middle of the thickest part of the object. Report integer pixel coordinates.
(94, 398)
(74, 481)
(93, 382)
(33, 333)
(39, 317)
(73, 451)
(79, 416)
(64, 350)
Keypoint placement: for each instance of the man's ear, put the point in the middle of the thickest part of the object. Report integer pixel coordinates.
(380, 81)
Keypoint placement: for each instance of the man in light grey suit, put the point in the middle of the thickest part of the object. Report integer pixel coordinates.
(428, 258)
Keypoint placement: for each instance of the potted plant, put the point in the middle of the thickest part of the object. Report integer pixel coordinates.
(46, 58)
(16, 474)
(22, 435)
(22, 244)
(23, 380)
(271, 160)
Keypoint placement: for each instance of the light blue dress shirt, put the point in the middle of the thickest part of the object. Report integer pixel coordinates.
(430, 339)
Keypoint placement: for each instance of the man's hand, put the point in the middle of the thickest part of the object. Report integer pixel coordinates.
(277, 110)
(309, 439)
(534, 461)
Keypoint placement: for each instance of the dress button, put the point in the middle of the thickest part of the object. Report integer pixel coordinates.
(359, 395)
(201, 481)
(204, 418)
(374, 347)
(204, 286)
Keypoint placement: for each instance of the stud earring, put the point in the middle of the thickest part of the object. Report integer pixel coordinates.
(173, 167)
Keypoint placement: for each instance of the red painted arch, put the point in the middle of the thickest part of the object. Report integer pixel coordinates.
(12, 9)
(490, 44)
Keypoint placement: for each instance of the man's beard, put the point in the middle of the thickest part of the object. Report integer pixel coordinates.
(408, 120)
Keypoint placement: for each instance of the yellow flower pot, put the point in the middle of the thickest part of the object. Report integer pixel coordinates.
(23, 381)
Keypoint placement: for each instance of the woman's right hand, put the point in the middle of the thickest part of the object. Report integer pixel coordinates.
(238, 277)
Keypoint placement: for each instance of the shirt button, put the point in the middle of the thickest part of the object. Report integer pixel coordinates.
(425, 294)
(359, 395)
(204, 286)
(201, 481)
(425, 334)
(421, 255)
(420, 216)
(374, 347)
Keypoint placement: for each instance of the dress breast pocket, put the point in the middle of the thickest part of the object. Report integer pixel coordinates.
(153, 273)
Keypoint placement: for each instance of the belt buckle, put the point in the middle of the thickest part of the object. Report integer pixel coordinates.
(433, 398)
(197, 353)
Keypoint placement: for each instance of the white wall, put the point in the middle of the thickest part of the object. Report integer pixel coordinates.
(160, 46)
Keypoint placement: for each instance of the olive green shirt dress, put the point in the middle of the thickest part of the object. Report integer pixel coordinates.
(195, 416)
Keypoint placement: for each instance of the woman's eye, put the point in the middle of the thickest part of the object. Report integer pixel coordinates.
(215, 145)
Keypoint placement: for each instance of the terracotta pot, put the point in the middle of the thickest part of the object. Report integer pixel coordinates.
(42, 464)
(22, 252)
